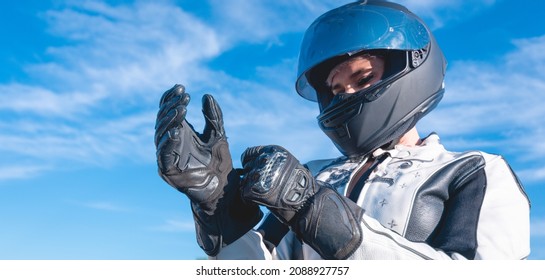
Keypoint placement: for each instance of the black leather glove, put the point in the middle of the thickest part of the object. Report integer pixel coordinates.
(321, 217)
(200, 166)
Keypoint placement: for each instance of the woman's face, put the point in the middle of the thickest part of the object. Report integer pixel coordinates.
(355, 74)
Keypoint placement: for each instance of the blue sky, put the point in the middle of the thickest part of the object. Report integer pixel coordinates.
(80, 84)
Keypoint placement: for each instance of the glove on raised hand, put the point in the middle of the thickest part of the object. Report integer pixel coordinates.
(321, 217)
(200, 166)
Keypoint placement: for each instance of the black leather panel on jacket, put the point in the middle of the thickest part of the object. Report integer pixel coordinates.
(447, 206)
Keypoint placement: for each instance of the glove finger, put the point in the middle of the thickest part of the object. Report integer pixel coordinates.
(176, 90)
(262, 174)
(249, 179)
(250, 155)
(169, 110)
(181, 100)
(172, 111)
(214, 119)
(173, 118)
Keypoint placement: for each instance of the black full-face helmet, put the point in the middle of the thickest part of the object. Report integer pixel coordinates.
(411, 86)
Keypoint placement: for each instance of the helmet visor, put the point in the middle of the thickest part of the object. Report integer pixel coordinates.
(353, 28)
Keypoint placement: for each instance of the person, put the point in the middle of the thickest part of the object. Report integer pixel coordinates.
(375, 69)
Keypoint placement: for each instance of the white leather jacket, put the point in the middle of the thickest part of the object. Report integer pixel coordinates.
(420, 202)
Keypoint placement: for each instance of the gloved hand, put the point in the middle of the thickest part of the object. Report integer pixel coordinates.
(200, 166)
(321, 217)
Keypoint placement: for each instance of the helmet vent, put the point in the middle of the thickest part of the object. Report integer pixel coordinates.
(418, 56)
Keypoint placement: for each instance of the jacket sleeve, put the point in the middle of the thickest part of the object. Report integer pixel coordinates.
(504, 223)
(248, 247)
(252, 246)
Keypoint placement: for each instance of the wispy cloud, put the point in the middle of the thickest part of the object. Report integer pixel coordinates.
(256, 21)
(537, 233)
(20, 171)
(93, 142)
(438, 13)
(94, 99)
(35, 100)
(176, 226)
(496, 104)
(536, 174)
(538, 228)
(130, 47)
(104, 206)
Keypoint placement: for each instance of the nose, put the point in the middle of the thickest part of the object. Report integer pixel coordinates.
(349, 89)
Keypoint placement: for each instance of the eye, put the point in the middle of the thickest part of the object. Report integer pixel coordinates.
(365, 80)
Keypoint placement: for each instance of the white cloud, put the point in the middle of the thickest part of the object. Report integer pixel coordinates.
(258, 21)
(538, 228)
(90, 101)
(104, 206)
(29, 100)
(438, 13)
(102, 142)
(173, 225)
(497, 104)
(94, 99)
(533, 174)
(112, 54)
(21, 171)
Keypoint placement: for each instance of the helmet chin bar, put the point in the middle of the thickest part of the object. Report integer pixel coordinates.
(343, 132)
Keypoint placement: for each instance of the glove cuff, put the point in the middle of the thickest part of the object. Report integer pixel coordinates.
(231, 219)
(330, 224)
